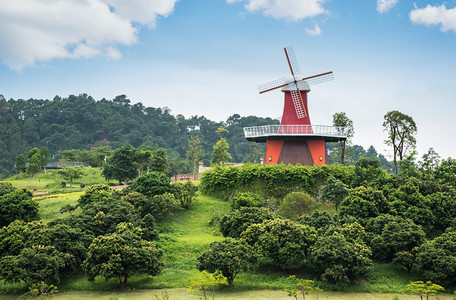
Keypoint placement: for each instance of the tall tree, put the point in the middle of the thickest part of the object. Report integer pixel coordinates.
(159, 161)
(341, 120)
(401, 129)
(45, 157)
(194, 152)
(71, 173)
(20, 163)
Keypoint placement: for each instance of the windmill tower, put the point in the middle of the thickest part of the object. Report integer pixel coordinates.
(295, 140)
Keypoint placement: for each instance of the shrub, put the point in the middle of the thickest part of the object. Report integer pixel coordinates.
(185, 193)
(17, 205)
(95, 194)
(246, 199)
(238, 220)
(229, 257)
(152, 184)
(295, 205)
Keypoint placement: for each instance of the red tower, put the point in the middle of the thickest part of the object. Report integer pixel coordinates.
(295, 140)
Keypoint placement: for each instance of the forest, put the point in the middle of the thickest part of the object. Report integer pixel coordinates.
(82, 123)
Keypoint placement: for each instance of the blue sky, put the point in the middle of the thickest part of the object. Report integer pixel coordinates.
(207, 57)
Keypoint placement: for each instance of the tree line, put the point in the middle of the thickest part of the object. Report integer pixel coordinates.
(82, 123)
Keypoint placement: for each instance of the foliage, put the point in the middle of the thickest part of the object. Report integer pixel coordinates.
(389, 235)
(444, 173)
(269, 181)
(303, 286)
(341, 120)
(238, 220)
(33, 265)
(162, 205)
(16, 205)
(406, 259)
(95, 194)
(185, 193)
(229, 257)
(295, 205)
(42, 290)
(207, 281)
(284, 241)
(364, 203)
(34, 164)
(320, 220)
(338, 260)
(71, 173)
(220, 154)
(159, 161)
(436, 260)
(334, 191)
(151, 184)
(194, 152)
(246, 199)
(401, 129)
(120, 255)
(121, 165)
(20, 163)
(424, 289)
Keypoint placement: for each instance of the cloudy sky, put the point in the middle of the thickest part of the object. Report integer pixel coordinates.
(207, 57)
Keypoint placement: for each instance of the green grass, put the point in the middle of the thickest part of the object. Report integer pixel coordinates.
(51, 204)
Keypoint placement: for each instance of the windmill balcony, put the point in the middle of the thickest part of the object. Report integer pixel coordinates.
(329, 133)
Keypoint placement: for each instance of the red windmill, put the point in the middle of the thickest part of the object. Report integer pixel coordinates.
(295, 140)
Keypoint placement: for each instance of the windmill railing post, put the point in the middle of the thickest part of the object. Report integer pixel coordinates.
(295, 130)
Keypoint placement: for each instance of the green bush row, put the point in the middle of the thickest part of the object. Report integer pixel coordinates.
(270, 181)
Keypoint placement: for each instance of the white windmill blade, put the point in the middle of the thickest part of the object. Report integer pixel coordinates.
(320, 78)
(292, 61)
(263, 88)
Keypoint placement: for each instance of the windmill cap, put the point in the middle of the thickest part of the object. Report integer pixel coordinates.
(302, 85)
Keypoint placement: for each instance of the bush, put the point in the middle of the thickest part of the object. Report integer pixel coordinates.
(229, 257)
(338, 260)
(17, 205)
(238, 220)
(152, 184)
(284, 241)
(95, 194)
(246, 199)
(295, 205)
(185, 193)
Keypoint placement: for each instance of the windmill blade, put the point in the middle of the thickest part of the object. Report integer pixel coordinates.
(263, 88)
(292, 61)
(298, 103)
(320, 78)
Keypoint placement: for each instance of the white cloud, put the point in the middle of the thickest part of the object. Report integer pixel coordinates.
(294, 10)
(41, 30)
(384, 6)
(314, 31)
(435, 15)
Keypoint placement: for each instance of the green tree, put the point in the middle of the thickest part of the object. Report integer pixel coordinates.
(401, 129)
(94, 194)
(159, 161)
(207, 281)
(303, 286)
(229, 257)
(431, 161)
(424, 289)
(34, 165)
(20, 163)
(233, 224)
(341, 120)
(71, 173)
(220, 154)
(406, 259)
(194, 152)
(33, 265)
(334, 191)
(284, 241)
(17, 205)
(121, 165)
(120, 255)
(45, 157)
(151, 184)
(143, 157)
(185, 193)
(338, 260)
(295, 205)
